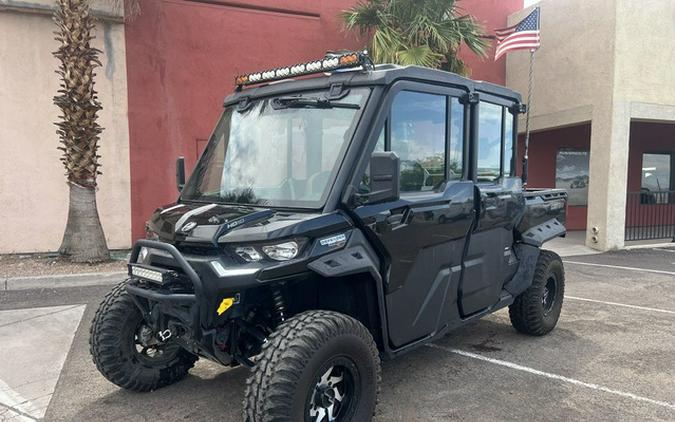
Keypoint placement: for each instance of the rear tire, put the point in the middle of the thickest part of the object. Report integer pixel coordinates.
(314, 360)
(536, 311)
(114, 346)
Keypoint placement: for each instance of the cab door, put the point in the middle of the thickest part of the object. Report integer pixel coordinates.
(489, 261)
(423, 234)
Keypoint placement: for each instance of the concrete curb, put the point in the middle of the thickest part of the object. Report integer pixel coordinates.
(62, 280)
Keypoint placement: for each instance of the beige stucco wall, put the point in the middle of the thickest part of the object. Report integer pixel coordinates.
(34, 203)
(573, 68)
(608, 62)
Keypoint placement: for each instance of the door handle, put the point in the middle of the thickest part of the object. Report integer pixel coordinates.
(394, 219)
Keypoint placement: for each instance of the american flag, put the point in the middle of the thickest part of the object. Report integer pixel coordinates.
(524, 35)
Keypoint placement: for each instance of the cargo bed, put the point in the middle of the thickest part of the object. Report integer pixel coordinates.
(542, 205)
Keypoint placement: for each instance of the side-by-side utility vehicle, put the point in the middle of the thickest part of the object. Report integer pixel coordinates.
(332, 221)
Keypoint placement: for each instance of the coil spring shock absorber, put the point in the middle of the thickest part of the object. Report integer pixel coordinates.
(279, 304)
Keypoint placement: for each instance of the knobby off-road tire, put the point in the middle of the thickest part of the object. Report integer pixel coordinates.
(291, 377)
(536, 311)
(113, 347)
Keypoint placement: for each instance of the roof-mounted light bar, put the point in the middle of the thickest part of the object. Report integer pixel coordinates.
(331, 62)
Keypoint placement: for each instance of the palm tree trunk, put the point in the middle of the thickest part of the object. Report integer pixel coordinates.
(83, 240)
(78, 130)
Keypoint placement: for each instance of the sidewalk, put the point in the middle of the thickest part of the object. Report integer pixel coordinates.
(61, 280)
(573, 244)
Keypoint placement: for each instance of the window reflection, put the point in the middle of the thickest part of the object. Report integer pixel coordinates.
(456, 150)
(418, 137)
(489, 142)
(508, 145)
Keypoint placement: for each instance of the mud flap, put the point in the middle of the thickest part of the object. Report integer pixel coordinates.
(522, 279)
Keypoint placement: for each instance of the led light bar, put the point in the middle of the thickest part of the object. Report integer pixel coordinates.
(332, 61)
(149, 274)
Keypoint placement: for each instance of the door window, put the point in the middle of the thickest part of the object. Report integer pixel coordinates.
(489, 142)
(418, 122)
(426, 131)
(495, 142)
(508, 144)
(456, 147)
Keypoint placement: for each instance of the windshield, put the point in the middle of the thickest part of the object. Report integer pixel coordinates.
(282, 151)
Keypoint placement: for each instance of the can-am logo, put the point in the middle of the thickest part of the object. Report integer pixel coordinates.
(188, 226)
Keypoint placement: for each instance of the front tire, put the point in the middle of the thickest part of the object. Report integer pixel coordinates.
(125, 350)
(317, 366)
(536, 311)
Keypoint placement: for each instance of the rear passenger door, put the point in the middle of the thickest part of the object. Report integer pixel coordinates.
(423, 233)
(490, 262)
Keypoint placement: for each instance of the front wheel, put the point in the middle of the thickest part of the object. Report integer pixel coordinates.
(127, 352)
(536, 311)
(318, 366)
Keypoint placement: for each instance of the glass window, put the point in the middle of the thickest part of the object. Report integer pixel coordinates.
(489, 142)
(456, 150)
(380, 141)
(276, 153)
(508, 144)
(656, 177)
(418, 124)
(571, 174)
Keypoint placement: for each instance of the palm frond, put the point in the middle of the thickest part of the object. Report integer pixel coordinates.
(419, 56)
(421, 32)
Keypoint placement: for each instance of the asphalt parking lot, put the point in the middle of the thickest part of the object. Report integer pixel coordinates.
(612, 357)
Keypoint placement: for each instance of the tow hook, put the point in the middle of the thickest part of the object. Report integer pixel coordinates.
(164, 335)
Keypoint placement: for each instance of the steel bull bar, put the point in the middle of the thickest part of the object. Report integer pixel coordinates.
(168, 299)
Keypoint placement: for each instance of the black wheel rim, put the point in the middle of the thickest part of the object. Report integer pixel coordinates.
(549, 294)
(150, 350)
(333, 394)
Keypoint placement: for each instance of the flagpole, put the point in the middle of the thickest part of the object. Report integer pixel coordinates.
(527, 119)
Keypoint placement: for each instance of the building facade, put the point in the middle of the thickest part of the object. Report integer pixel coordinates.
(165, 74)
(603, 115)
(183, 56)
(34, 204)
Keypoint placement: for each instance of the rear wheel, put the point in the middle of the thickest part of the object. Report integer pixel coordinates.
(318, 366)
(126, 350)
(536, 311)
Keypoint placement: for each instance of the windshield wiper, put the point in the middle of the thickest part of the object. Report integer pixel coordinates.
(311, 102)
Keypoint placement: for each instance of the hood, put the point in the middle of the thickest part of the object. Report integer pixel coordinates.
(219, 223)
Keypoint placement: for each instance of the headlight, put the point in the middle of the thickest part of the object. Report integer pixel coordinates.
(248, 253)
(283, 251)
(143, 256)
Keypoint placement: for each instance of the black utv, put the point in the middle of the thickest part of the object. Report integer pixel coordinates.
(333, 221)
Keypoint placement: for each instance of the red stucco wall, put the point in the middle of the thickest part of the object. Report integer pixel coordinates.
(492, 14)
(544, 147)
(182, 57)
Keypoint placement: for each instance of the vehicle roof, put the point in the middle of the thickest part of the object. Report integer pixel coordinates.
(382, 74)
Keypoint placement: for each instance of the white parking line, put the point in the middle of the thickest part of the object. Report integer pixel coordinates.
(21, 408)
(625, 305)
(549, 375)
(642, 270)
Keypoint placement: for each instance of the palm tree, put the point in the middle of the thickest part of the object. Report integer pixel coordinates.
(78, 130)
(417, 32)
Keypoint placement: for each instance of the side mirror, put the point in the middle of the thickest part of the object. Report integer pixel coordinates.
(385, 186)
(180, 173)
